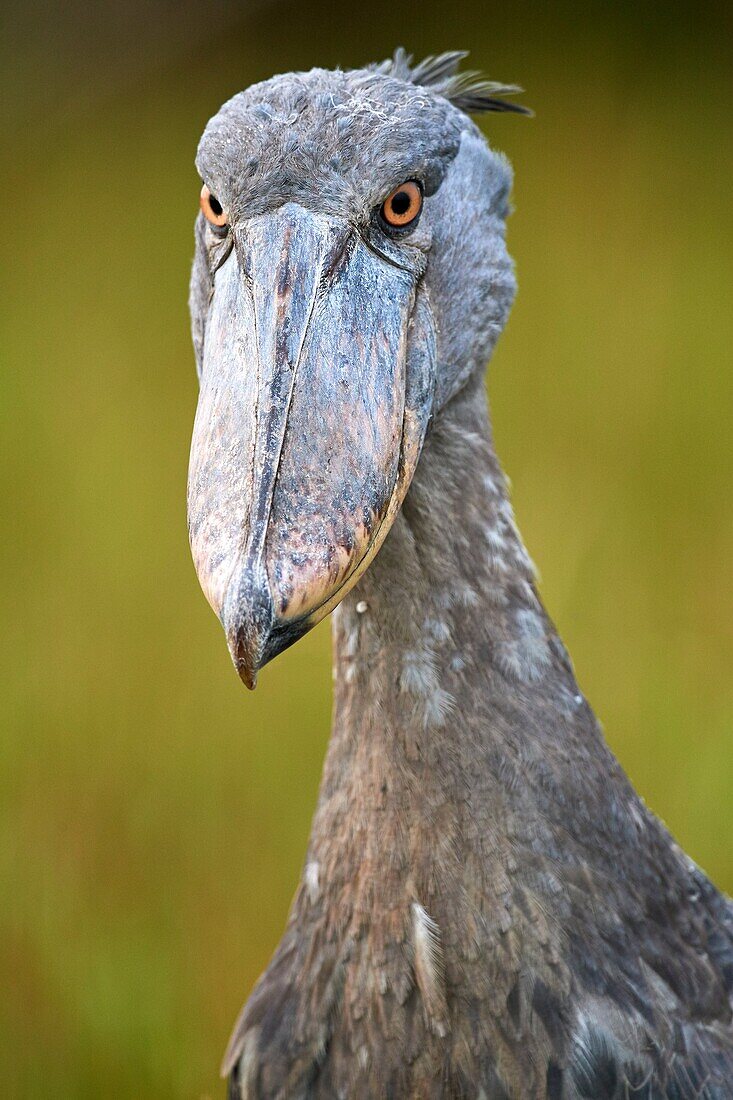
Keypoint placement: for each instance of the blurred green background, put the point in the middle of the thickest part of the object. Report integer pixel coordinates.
(154, 814)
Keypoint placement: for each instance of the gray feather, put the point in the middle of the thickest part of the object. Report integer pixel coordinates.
(469, 91)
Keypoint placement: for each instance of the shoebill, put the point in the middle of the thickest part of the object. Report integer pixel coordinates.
(487, 908)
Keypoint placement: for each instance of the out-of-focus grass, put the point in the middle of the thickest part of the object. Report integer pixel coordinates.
(154, 815)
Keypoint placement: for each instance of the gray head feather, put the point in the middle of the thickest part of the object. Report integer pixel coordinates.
(468, 91)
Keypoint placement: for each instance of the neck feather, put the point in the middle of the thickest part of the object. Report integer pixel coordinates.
(444, 647)
(468, 809)
(451, 686)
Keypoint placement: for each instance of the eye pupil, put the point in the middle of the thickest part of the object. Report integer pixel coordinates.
(401, 203)
(216, 207)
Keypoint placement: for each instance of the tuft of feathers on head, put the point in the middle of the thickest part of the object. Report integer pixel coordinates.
(469, 91)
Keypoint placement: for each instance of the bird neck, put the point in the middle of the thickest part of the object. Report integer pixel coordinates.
(468, 809)
(447, 930)
(449, 683)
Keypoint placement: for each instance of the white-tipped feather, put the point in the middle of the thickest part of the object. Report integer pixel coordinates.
(429, 969)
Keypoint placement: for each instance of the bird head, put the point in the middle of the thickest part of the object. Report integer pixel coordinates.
(350, 274)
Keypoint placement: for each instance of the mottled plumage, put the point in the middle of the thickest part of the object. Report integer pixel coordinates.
(488, 909)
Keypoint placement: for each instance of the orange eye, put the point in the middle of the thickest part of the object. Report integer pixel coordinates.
(403, 205)
(212, 209)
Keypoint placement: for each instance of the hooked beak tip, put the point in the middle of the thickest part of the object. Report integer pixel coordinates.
(245, 658)
(247, 618)
(246, 650)
(248, 676)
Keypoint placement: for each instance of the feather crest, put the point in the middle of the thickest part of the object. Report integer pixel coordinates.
(469, 91)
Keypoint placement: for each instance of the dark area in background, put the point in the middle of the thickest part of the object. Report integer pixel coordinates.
(153, 816)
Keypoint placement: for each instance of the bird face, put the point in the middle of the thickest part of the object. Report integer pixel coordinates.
(347, 219)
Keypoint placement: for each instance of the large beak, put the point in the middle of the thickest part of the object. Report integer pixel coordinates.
(316, 390)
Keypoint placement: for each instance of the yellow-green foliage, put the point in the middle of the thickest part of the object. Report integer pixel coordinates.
(153, 813)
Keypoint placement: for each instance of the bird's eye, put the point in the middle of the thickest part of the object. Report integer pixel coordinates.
(212, 209)
(403, 205)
